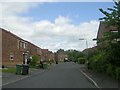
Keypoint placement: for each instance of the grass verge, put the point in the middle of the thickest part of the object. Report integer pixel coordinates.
(9, 70)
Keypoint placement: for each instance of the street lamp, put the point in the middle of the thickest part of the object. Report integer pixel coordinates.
(86, 42)
(86, 47)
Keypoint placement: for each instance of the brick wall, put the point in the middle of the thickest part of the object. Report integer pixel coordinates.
(11, 54)
(62, 56)
(34, 50)
(51, 57)
(13, 48)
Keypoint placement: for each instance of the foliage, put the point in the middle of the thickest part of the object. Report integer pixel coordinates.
(60, 50)
(74, 55)
(98, 62)
(34, 61)
(110, 40)
(117, 73)
(81, 60)
(107, 59)
(113, 16)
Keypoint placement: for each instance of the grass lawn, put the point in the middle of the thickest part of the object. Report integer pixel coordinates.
(9, 70)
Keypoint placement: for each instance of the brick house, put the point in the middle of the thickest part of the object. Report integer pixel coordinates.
(103, 28)
(15, 50)
(45, 55)
(51, 56)
(61, 55)
(34, 50)
(56, 56)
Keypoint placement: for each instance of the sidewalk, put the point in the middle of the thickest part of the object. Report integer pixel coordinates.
(10, 77)
(102, 80)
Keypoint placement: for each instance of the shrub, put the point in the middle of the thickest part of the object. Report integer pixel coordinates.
(113, 71)
(109, 69)
(34, 61)
(98, 62)
(81, 60)
(117, 70)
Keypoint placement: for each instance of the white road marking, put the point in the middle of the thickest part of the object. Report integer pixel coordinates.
(90, 79)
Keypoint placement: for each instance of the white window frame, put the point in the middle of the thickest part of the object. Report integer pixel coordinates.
(11, 57)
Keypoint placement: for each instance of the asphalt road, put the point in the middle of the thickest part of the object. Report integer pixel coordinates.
(62, 75)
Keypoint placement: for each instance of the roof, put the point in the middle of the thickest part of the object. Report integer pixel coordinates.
(18, 37)
(89, 50)
(45, 50)
(11, 34)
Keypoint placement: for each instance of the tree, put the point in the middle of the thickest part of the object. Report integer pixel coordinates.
(60, 50)
(112, 18)
(74, 55)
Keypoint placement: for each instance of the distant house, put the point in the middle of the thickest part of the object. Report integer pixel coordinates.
(88, 51)
(51, 56)
(45, 55)
(61, 55)
(103, 29)
(15, 50)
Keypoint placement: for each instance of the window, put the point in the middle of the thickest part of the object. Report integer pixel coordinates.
(20, 44)
(114, 31)
(11, 56)
(23, 44)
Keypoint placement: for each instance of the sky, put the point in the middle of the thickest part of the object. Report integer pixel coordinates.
(54, 25)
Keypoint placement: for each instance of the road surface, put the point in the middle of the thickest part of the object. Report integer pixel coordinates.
(62, 75)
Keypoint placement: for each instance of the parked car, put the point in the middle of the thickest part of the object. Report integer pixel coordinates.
(66, 60)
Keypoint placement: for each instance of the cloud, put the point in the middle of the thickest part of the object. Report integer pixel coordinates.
(62, 33)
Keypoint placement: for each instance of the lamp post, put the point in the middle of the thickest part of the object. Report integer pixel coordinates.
(85, 40)
(86, 48)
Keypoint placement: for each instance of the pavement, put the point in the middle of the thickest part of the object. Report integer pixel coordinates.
(100, 80)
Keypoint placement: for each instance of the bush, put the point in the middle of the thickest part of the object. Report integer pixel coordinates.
(34, 61)
(109, 70)
(81, 60)
(113, 71)
(98, 62)
(117, 70)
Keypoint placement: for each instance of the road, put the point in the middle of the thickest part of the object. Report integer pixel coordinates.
(62, 75)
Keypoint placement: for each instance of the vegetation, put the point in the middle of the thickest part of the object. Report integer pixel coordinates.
(76, 56)
(81, 60)
(34, 61)
(9, 70)
(107, 59)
